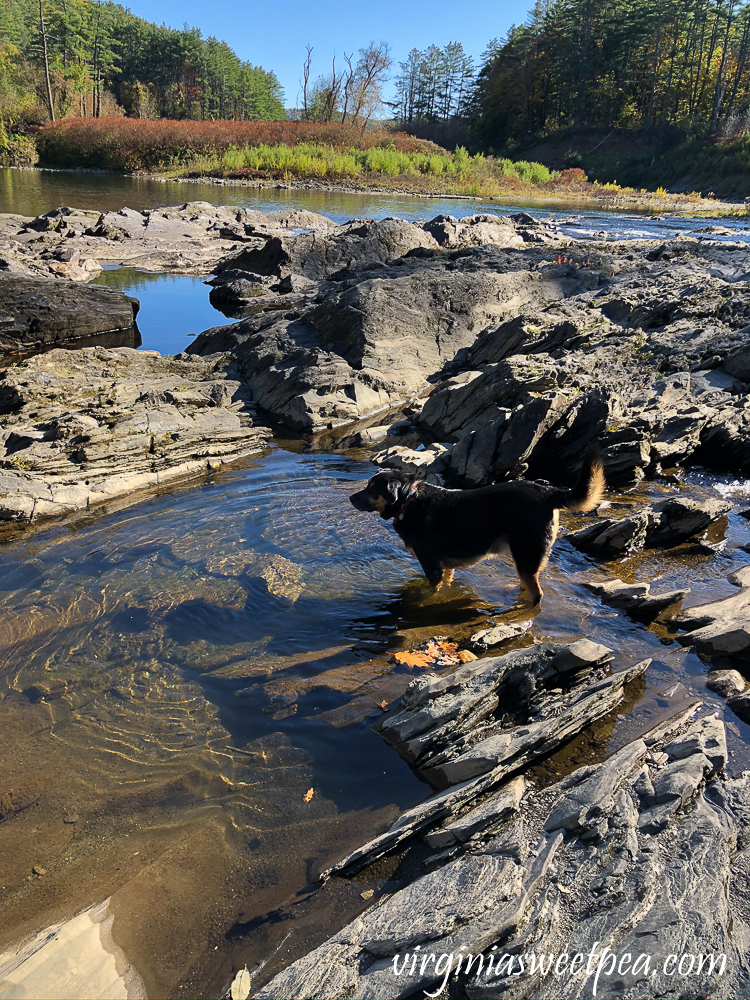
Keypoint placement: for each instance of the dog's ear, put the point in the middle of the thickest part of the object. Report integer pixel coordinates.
(392, 488)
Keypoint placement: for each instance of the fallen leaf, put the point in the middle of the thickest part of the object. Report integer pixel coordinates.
(241, 983)
(308, 795)
(382, 704)
(466, 655)
(412, 659)
(263, 755)
(436, 652)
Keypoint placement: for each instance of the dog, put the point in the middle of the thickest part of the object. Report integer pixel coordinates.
(449, 529)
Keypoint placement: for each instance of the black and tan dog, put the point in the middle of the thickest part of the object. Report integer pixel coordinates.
(448, 529)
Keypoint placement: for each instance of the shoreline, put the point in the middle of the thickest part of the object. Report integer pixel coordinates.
(649, 204)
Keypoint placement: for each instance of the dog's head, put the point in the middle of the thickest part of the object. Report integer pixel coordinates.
(384, 493)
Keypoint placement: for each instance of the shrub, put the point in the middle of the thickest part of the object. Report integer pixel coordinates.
(572, 175)
(131, 144)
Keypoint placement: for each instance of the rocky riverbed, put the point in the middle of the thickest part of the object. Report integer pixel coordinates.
(464, 351)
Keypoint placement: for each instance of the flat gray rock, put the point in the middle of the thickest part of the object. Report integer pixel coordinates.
(636, 598)
(81, 427)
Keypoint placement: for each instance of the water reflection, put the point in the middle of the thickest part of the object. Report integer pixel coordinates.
(173, 310)
(31, 192)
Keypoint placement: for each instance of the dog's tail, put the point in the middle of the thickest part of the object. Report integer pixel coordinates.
(588, 491)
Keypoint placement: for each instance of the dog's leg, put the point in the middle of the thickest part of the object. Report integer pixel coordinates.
(530, 559)
(436, 575)
(530, 583)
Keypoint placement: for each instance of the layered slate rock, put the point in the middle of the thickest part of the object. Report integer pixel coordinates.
(455, 727)
(40, 313)
(317, 256)
(663, 524)
(188, 239)
(81, 427)
(639, 854)
(368, 342)
(636, 598)
(720, 627)
(473, 727)
(364, 242)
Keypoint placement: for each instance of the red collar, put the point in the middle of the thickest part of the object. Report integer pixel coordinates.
(409, 497)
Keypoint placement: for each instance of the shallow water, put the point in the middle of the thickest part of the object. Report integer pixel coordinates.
(31, 192)
(174, 307)
(176, 712)
(164, 712)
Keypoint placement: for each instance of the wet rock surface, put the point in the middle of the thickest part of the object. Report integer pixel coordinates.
(641, 854)
(82, 427)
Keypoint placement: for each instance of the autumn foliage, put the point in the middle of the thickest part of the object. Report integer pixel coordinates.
(132, 144)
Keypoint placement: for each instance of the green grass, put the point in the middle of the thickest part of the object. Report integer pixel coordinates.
(458, 170)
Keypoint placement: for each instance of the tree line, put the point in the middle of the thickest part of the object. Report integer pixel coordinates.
(95, 58)
(588, 63)
(632, 63)
(574, 63)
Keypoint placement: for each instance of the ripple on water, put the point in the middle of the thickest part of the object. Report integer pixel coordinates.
(179, 676)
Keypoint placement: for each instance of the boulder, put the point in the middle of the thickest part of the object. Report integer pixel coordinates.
(428, 463)
(320, 255)
(371, 340)
(39, 313)
(719, 627)
(727, 683)
(636, 598)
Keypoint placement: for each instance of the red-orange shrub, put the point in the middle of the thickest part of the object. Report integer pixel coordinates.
(572, 176)
(143, 144)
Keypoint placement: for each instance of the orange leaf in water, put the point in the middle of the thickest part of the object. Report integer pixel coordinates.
(382, 704)
(308, 795)
(433, 653)
(412, 658)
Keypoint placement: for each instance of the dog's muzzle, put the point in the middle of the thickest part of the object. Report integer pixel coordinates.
(360, 500)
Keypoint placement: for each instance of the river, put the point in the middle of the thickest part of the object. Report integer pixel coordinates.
(192, 747)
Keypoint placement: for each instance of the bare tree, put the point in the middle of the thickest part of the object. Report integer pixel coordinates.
(370, 76)
(45, 59)
(306, 79)
(348, 86)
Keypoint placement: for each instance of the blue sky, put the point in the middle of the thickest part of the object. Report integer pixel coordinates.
(274, 35)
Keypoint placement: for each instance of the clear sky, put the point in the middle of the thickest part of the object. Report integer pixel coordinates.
(274, 34)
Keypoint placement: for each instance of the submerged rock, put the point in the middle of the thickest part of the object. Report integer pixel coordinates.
(663, 524)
